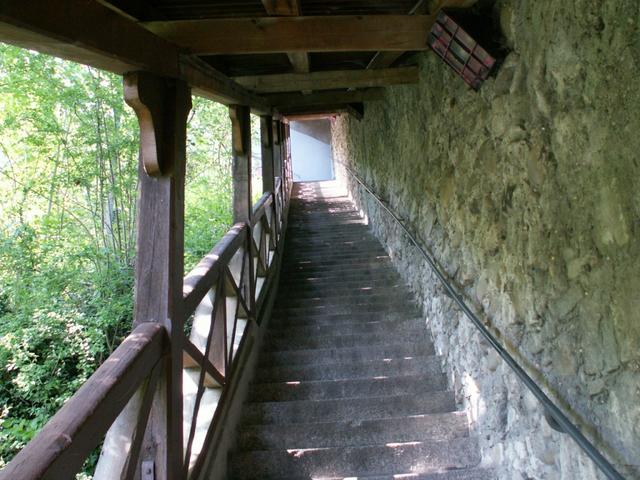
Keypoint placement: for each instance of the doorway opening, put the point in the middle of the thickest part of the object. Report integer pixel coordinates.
(311, 154)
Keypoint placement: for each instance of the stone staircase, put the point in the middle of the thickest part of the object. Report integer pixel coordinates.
(348, 384)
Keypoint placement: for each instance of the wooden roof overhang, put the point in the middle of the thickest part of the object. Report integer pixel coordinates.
(302, 56)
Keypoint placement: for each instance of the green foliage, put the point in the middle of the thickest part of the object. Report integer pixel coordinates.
(68, 181)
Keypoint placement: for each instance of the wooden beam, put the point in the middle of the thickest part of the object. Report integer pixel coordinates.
(327, 110)
(288, 100)
(332, 33)
(332, 80)
(422, 7)
(289, 8)
(89, 32)
(209, 83)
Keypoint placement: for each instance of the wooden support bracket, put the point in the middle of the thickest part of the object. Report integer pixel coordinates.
(160, 105)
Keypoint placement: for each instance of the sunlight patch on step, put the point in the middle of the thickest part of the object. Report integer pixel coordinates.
(402, 444)
(299, 452)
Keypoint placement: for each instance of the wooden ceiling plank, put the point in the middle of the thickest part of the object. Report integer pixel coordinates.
(91, 33)
(332, 33)
(332, 80)
(385, 59)
(282, 101)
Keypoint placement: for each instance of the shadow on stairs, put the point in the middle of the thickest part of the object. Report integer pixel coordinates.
(348, 384)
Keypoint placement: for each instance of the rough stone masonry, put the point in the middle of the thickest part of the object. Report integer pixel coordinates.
(528, 195)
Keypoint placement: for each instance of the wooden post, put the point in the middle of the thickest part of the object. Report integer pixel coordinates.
(287, 154)
(162, 106)
(266, 137)
(242, 201)
(241, 139)
(277, 149)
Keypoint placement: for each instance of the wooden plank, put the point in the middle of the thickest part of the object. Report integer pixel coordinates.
(332, 80)
(195, 358)
(61, 447)
(91, 33)
(162, 106)
(331, 33)
(288, 100)
(241, 168)
(386, 59)
(132, 461)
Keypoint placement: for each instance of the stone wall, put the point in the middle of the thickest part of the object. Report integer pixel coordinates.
(528, 195)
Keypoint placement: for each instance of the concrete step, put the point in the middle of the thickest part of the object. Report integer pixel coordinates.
(279, 344)
(364, 242)
(336, 236)
(460, 474)
(359, 298)
(440, 426)
(319, 227)
(363, 353)
(336, 294)
(353, 388)
(308, 231)
(347, 409)
(330, 286)
(325, 265)
(349, 278)
(402, 324)
(333, 319)
(388, 367)
(324, 259)
(379, 266)
(347, 384)
(358, 305)
(417, 457)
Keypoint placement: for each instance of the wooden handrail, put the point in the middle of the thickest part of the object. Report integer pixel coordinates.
(199, 281)
(260, 207)
(59, 450)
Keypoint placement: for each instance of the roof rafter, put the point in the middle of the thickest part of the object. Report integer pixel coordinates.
(331, 33)
(283, 101)
(325, 111)
(292, 82)
(299, 60)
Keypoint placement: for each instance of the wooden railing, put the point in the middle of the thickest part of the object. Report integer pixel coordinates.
(61, 447)
(221, 296)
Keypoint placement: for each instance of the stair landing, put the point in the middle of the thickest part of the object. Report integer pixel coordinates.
(348, 385)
